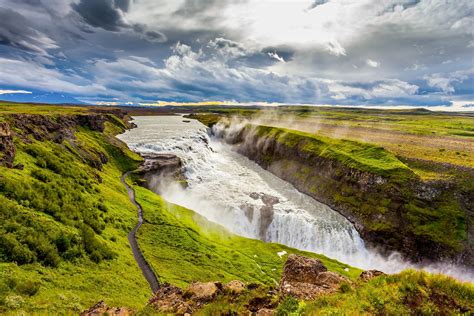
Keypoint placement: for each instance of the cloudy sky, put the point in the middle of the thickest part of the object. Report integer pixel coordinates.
(345, 52)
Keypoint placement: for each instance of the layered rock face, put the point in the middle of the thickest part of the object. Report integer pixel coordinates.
(160, 170)
(393, 209)
(7, 147)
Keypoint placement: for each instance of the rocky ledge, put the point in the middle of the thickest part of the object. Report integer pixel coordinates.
(7, 147)
(159, 170)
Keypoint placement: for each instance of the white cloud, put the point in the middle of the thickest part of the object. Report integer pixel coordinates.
(30, 74)
(372, 63)
(276, 57)
(335, 48)
(195, 76)
(386, 89)
(14, 92)
(445, 82)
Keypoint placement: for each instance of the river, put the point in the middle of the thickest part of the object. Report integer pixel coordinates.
(229, 189)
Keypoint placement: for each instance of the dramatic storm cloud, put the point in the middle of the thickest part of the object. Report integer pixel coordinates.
(352, 52)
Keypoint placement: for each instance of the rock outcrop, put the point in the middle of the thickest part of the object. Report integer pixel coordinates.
(170, 299)
(160, 170)
(235, 287)
(55, 128)
(370, 274)
(7, 147)
(203, 292)
(307, 278)
(101, 309)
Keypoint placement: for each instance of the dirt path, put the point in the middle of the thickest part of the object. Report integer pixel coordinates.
(142, 263)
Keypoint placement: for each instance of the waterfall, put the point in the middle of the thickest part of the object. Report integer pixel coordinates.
(236, 193)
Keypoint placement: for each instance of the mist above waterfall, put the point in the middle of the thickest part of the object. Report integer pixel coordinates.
(233, 191)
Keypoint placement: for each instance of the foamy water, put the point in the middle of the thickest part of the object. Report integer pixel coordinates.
(233, 191)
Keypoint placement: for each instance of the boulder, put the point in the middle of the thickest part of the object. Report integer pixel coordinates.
(307, 278)
(203, 292)
(265, 312)
(101, 308)
(235, 287)
(169, 299)
(301, 269)
(370, 274)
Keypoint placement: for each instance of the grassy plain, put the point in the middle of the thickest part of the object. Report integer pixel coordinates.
(413, 134)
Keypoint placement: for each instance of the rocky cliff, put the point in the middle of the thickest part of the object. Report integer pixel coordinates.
(390, 206)
(7, 147)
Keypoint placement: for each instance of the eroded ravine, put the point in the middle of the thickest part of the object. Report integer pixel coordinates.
(233, 191)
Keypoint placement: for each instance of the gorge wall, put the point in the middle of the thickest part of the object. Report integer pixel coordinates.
(391, 207)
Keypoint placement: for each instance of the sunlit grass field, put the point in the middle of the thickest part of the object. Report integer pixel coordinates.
(414, 134)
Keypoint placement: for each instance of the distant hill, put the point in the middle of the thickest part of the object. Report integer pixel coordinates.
(41, 97)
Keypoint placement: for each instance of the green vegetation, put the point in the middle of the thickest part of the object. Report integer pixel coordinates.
(65, 218)
(25, 108)
(357, 155)
(414, 134)
(407, 293)
(64, 224)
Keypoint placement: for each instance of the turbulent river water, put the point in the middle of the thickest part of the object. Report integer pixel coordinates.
(233, 191)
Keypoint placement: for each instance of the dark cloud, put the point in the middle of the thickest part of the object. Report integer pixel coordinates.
(106, 14)
(16, 31)
(317, 3)
(154, 36)
(236, 53)
(110, 16)
(124, 5)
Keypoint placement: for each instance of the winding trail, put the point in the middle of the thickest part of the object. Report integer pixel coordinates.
(137, 253)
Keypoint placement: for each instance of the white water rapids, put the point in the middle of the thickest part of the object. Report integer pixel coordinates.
(233, 191)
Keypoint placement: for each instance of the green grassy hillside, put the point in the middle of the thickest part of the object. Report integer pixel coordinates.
(407, 293)
(64, 225)
(354, 154)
